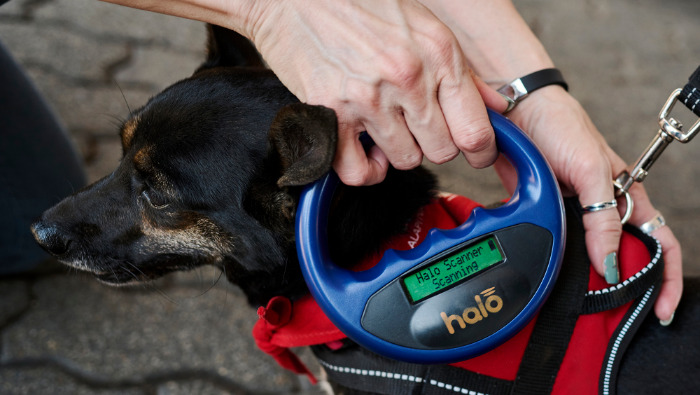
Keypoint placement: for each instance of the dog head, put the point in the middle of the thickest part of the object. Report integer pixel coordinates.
(205, 178)
(210, 175)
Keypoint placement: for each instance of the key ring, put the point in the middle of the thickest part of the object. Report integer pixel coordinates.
(629, 206)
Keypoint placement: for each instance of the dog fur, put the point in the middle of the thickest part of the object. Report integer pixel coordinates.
(211, 173)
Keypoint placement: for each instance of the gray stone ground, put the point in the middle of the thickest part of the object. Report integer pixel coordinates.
(190, 333)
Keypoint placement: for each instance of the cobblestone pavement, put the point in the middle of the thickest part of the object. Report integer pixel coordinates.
(190, 333)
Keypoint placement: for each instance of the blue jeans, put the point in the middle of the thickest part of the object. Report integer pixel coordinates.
(38, 166)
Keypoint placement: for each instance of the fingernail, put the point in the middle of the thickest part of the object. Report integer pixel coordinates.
(668, 321)
(612, 272)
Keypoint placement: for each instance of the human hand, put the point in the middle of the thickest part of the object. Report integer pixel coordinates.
(585, 166)
(390, 68)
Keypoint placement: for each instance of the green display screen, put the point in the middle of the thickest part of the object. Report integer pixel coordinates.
(452, 269)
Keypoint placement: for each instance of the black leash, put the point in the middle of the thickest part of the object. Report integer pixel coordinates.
(690, 94)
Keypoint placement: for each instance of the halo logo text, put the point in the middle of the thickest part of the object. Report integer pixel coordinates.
(491, 303)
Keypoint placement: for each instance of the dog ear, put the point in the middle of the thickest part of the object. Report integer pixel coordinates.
(226, 48)
(304, 137)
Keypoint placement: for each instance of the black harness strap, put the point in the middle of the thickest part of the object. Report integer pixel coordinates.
(690, 95)
(555, 323)
(634, 317)
(622, 338)
(633, 287)
(360, 369)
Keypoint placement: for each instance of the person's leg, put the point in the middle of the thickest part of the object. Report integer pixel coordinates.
(38, 166)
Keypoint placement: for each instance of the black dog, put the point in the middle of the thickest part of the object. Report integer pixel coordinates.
(211, 173)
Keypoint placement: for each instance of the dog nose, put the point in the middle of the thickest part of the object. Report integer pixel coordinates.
(50, 238)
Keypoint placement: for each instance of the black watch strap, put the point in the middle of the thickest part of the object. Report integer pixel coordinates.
(518, 89)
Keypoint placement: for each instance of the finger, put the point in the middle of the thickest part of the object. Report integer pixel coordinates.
(467, 121)
(507, 173)
(672, 286)
(390, 133)
(603, 228)
(491, 97)
(355, 167)
(427, 124)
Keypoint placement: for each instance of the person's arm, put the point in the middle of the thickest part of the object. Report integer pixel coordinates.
(390, 68)
(496, 40)
(238, 15)
(501, 47)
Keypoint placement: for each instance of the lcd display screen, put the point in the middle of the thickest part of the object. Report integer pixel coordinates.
(452, 269)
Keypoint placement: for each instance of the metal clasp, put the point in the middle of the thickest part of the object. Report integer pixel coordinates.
(513, 92)
(670, 130)
(673, 127)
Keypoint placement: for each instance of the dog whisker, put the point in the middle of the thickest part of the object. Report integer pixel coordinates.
(134, 272)
(123, 96)
(150, 284)
(128, 271)
(222, 274)
(212, 285)
(115, 120)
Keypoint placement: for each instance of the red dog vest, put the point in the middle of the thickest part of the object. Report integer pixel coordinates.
(573, 347)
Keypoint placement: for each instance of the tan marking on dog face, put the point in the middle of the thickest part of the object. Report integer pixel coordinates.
(142, 160)
(142, 163)
(201, 238)
(128, 130)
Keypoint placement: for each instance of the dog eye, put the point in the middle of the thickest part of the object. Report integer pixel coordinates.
(154, 199)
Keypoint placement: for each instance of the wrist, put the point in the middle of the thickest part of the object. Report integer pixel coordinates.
(246, 17)
(497, 42)
(243, 16)
(532, 114)
(256, 15)
(545, 96)
(520, 88)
